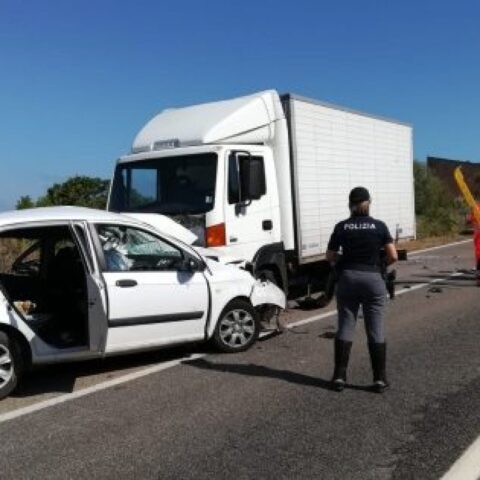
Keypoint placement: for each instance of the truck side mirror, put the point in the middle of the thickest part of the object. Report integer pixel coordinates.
(251, 173)
(257, 184)
(244, 176)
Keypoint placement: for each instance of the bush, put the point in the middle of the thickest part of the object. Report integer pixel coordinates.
(438, 213)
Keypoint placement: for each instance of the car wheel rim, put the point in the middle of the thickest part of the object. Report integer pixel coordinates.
(6, 365)
(237, 328)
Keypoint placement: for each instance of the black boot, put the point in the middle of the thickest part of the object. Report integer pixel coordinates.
(342, 354)
(378, 357)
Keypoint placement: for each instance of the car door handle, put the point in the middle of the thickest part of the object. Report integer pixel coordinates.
(267, 225)
(126, 283)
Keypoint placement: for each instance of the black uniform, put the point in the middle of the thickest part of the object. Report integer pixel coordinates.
(360, 239)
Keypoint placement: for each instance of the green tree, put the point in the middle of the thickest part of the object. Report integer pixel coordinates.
(79, 190)
(25, 202)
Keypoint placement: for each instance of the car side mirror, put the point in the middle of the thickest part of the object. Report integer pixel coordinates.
(190, 264)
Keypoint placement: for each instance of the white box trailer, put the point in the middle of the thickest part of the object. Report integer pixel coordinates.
(264, 178)
(334, 149)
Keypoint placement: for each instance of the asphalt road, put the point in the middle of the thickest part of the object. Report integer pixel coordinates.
(268, 413)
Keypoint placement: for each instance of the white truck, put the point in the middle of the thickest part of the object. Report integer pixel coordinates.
(264, 178)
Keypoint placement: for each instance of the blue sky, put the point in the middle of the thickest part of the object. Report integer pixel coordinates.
(79, 78)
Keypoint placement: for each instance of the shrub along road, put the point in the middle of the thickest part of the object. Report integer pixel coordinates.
(268, 413)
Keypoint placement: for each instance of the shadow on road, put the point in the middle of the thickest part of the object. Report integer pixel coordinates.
(62, 378)
(253, 370)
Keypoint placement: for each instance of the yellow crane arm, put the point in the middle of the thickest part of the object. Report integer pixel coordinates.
(467, 194)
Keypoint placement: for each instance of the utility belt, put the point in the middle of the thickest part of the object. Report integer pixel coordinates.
(361, 267)
(388, 277)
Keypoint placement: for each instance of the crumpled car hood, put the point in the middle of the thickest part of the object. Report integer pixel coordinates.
(261, 292)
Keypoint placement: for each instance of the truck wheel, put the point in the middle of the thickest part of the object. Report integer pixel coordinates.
(11, 364)
(237, 328)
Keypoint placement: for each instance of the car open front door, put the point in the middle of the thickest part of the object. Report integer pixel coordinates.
(154, 298)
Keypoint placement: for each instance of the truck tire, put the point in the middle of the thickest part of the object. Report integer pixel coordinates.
(237, 328)
(11, 364)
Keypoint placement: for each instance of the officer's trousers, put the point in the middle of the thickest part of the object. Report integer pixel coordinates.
(355, 288)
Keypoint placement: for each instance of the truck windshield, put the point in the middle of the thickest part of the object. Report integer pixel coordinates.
(168, 185)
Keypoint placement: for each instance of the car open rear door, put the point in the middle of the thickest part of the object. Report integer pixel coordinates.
(97, 300)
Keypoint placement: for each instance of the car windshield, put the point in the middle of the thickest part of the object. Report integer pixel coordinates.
(171, 185)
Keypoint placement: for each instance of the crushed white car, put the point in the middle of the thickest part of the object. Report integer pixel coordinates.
(77, 283)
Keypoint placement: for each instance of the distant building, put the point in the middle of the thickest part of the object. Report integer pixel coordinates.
(443, 169)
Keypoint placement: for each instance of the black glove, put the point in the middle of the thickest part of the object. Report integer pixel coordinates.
(390, 278)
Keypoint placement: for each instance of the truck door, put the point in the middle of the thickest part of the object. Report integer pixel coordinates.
(255, 223)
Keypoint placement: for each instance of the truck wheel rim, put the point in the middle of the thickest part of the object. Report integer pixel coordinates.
(237, 328)
(6, 365)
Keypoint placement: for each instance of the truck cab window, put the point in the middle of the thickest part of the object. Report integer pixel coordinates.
(177, 185)
(143, 187)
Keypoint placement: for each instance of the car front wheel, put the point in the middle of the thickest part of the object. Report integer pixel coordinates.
(10, 364)
(237, 328)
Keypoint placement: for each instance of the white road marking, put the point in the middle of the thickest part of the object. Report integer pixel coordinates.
(421, 285)
(95, 388)
(315, 318)
(438, 247)
(173, 363)
(467, 467)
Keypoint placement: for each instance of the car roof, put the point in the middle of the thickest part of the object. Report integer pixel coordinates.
(45, 214)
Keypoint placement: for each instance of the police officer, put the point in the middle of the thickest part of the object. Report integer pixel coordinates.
(360, 240)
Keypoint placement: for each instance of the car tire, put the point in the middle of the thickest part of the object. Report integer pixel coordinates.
(237, 327)
(11, 364)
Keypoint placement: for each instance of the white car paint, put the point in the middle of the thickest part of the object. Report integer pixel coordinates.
(222, 282)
